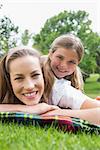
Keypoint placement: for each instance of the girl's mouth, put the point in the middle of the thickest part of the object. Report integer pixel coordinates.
(61, 70)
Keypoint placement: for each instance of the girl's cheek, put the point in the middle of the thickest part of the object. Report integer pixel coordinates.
(56, 62)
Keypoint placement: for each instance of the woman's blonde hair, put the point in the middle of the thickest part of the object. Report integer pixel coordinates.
(6, 92)
(71, 42)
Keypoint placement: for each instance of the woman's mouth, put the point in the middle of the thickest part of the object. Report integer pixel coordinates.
(31, 95)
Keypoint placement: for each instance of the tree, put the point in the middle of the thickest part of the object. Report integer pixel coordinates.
(74, 22)
(8, 32)
(91, 44)
(1, 6)
(98, 63)
(25, 38)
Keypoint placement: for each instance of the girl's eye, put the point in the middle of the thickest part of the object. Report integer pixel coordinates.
(72, 62)
(60, 57)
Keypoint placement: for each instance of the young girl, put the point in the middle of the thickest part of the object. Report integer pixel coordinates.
(62, 64)
(65, 54)
(22, 87)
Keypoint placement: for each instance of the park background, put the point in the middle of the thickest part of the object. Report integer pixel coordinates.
(38, 23)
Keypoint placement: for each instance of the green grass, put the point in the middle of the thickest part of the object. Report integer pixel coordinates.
(14, 137)
(92, 87)
(22, 137)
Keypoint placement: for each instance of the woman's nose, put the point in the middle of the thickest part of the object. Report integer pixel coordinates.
(29, 85)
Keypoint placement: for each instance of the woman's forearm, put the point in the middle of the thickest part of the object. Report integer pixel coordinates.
(11, 107)
(33, 109)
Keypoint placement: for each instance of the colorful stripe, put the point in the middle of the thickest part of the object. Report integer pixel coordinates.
(64, 122)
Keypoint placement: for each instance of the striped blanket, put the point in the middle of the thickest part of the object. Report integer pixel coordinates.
(65, 123)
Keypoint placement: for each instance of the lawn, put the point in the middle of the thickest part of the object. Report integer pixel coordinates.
(14, 137)
(22, 137)
(92, 87)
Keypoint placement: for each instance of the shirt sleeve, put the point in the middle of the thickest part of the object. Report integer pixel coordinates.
(66, 96)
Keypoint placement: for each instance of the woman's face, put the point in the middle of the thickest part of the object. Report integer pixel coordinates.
(27, 79)
(63, 62)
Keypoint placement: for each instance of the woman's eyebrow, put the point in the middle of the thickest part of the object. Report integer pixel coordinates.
(35, 71)
(18, 74)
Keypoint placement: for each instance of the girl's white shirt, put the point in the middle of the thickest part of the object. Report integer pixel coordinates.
(66, 96)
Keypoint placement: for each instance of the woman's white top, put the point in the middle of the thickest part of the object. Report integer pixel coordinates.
(66, 96)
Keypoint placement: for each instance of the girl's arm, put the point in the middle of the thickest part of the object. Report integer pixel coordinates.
(91, 115)
(90, 103)
(35, 109)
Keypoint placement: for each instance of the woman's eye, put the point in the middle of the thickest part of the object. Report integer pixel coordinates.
(18, 78)
(36, 75)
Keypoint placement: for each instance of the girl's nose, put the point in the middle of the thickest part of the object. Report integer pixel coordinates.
(63, 65)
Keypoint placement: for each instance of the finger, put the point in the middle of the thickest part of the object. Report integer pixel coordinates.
(50, 113)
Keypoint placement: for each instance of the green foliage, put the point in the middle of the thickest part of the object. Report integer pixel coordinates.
(91, 44)
(26, 36)
(88, 64)
(74, 22)
(8, 33)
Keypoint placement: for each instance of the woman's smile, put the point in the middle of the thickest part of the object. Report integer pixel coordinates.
(31, 95)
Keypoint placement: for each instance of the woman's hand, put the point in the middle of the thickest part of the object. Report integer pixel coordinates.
(58, 111)
(40, 108)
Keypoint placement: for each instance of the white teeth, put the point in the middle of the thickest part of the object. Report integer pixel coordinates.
(30, 94)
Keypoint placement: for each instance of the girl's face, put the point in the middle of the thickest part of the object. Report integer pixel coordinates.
(27, 79)
(63, 62)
